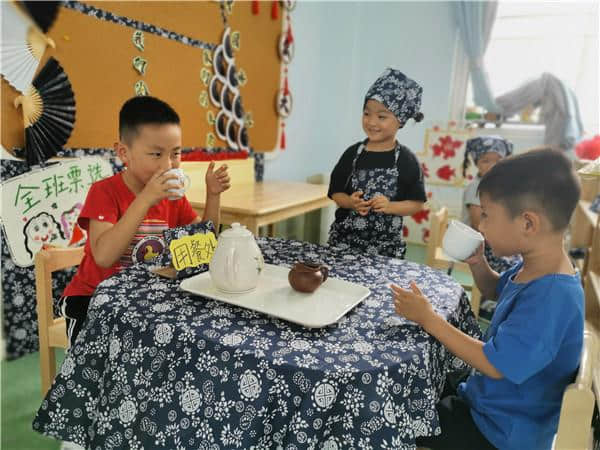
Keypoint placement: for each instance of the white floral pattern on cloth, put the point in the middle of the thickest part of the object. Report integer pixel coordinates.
(158, 368)
(398, 93)
(375, 233)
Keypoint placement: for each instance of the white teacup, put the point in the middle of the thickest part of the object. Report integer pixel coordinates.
(181, 179)
(460, 240)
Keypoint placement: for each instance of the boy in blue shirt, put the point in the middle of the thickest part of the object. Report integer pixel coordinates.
(532, 348)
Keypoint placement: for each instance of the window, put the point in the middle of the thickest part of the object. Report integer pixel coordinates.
(559, 37)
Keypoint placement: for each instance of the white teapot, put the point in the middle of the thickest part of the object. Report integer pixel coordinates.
(237, 262)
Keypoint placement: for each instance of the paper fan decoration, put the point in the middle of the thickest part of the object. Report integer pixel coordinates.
(48, 113)
(43, 13)
(22, 47)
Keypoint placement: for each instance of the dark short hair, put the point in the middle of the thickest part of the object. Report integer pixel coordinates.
(144, 110)
(543, 180)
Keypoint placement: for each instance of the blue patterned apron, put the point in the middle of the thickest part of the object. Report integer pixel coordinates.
(375, 233)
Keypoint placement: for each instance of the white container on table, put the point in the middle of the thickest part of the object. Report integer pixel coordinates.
(237, 262)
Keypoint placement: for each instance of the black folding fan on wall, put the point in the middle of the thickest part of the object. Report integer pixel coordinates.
(43, 13)
(48, 113)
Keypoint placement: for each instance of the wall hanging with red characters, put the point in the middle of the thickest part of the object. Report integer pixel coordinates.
(284, 101)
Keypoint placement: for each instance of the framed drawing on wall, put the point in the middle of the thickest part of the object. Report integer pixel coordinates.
(443, 155)
(442, 165)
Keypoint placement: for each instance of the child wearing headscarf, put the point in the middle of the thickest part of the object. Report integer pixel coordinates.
(378, 180)
(485, 152)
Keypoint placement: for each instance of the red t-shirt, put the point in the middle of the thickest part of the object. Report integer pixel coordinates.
(107, 201)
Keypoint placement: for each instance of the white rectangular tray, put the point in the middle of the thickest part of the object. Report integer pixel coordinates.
(275, 297)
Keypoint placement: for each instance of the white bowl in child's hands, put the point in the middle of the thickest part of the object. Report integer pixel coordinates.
(460, 240)
(182, 179)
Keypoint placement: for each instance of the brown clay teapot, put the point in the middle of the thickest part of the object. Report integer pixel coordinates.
(307, 276)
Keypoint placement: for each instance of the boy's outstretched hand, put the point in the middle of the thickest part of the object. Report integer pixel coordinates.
(412, 304)
(217, 181)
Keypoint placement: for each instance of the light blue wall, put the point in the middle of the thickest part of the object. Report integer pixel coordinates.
(341, 48)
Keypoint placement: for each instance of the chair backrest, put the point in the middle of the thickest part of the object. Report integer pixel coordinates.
(577, 407)
(47, 261)
(241, 171)
(437, 228)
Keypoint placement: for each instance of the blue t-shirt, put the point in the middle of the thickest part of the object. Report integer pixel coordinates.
(535, 342)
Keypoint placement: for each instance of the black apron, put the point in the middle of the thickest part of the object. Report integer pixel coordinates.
(375, 233)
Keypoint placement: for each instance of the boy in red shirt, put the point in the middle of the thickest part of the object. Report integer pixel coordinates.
(126, 214)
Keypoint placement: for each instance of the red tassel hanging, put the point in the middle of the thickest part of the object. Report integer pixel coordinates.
(255, 8)
(275, 9)
(286, 88)
(289, 37)
(282, 143)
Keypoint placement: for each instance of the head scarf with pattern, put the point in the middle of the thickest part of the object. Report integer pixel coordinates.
(399, 94)
(478, 146)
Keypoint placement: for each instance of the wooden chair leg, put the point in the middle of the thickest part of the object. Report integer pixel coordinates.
(47, 367)
(475, 300)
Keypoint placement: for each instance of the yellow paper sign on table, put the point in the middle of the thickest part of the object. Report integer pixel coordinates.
(191, 251)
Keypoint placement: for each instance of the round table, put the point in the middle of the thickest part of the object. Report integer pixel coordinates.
(156, 367)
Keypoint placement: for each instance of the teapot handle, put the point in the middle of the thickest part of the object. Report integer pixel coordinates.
(261, 261)
(231, 267)
(325, 272)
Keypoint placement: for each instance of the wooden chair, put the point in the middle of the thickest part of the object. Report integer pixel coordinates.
(574, 426)
(52, 332)
(592, 280)
(435, 257)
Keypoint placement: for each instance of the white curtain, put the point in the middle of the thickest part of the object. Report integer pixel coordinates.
(475, 21)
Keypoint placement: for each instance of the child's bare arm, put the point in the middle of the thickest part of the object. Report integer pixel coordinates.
(109, 241)
(414, 306)
(212, 211)
(217, 181)
(485, 278)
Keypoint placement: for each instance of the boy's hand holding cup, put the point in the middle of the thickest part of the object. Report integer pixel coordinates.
(179, 181)
(463, 243)
(161, 185)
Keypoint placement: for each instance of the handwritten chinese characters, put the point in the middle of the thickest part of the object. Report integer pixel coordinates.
(191, 251)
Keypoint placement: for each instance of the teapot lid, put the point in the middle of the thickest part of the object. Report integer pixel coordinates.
(236, 230)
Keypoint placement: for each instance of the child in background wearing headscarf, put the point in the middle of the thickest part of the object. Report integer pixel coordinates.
(378, 180)
(485, 152)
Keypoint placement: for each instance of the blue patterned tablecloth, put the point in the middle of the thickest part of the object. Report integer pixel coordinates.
(156, 367)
